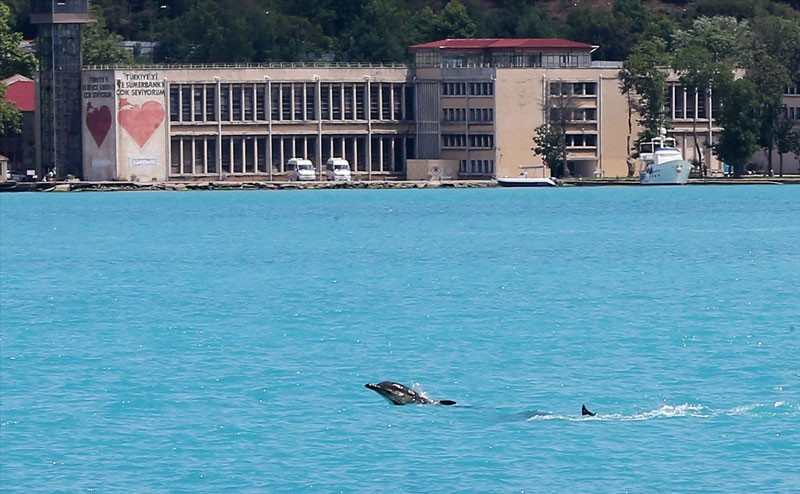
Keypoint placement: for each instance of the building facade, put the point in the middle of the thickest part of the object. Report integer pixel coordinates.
(472, 106)
(245, 123)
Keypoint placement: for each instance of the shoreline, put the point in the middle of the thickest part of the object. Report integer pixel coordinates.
(111, 186)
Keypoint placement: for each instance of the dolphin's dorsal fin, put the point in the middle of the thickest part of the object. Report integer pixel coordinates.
(585, 411)
(447, 402)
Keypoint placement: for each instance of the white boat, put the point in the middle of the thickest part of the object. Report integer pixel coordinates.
(662, 162)
(525, 181)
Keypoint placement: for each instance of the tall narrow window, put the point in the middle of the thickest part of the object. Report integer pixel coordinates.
(248, 102)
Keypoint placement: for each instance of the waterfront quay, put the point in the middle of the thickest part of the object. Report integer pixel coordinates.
(108, 186)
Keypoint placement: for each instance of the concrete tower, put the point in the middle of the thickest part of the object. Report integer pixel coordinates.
(59, 84)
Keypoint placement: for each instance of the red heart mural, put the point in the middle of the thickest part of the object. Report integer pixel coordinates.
(98, 120)
(140, 121)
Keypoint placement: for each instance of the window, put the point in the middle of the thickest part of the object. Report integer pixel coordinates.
(336, 101)
(481, 89)
(360, 103)
(310, 97)
(454, 140)
(481, 141)
(275, 102)
(236, 100)
(349, 102)
(211, 103)
(386, 101)
(248, 101)
(325, 102)
(298, 101)
(198, 106)
(224, 103)
(581, 140)
(186, 103)
(286, 101)
(174, 104)
(374, 101)
(261, 103)
(454, 89)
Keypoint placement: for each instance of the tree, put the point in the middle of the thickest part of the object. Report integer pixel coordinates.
(644, 75)
(453, 21)
(710, 48)
(100, 47)
(549, 140)
(774, 64)
(740, 125)
(784, 140)
(13, 60)
(382, 34)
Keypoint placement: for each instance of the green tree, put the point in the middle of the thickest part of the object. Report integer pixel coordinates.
(382, 34)
(101, 47)
(773, 62)
(13, 60)
(550, 145)
(740, 125)
(616, 28)
(453, 21)
(784, 140)
(702, 54)
(644, 79)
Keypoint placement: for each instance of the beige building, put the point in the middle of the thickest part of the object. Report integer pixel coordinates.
(245, 123)
(467, 109)
(480, 101)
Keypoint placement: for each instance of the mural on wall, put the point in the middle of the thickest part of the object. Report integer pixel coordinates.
(99, 143)
(140, 121)
(98, 121)
(142, 125)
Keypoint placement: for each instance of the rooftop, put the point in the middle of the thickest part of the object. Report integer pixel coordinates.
(21, 92)
(504, 44)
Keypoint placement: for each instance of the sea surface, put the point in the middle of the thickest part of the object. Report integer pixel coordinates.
(220, 341)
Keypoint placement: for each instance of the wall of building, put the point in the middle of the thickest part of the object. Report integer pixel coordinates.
(597, 141)
(218, 122)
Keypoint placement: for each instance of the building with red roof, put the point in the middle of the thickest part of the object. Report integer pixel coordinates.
(21, 148)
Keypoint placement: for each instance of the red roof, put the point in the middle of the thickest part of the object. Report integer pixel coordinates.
(21, 92)
(503, 43)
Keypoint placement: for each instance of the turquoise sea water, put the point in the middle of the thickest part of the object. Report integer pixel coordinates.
(220, 341)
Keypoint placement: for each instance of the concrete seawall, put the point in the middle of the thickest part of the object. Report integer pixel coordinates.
(81, 186)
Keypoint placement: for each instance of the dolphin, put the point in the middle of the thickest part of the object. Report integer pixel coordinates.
(397, 394)
(585, 411)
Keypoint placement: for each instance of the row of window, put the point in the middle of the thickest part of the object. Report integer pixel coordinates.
(681, 104)
(792, 90)
(295, 101)
(475, 114)
(476, 141)
(573, 114)
(581, 140)
(198, 155)
(791, 112)
(561, 88)
(506, 60)
(476, 167)
(467, 88)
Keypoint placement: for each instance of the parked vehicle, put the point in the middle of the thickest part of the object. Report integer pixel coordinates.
(338, 169)
(301, 169)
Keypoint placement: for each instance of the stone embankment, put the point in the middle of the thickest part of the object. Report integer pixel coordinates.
(77, 186)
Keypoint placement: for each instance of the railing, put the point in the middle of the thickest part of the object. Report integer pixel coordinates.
(259, 65)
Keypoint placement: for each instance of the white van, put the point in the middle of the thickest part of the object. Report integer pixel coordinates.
(301, 169)
(338, 169)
